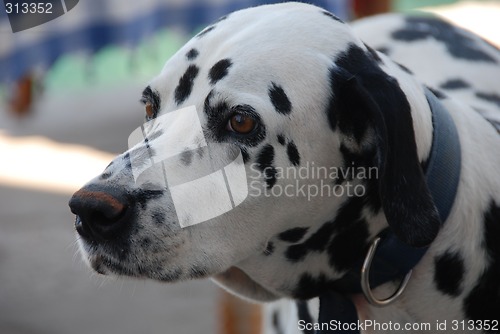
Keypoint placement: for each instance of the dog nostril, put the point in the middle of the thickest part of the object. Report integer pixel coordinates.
(99, 213)
(81, 229)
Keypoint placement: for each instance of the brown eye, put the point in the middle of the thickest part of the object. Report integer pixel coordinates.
(241, 124)
(149, 110)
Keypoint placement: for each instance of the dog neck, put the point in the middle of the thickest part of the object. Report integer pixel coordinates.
(307, 259)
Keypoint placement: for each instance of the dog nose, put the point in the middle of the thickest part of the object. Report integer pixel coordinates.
(101, 212)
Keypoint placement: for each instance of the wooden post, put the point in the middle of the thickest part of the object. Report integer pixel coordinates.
(364, 8)
(238, 316)
(21, 100)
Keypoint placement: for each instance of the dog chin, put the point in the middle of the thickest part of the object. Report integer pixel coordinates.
(98, 264)
(104, 265)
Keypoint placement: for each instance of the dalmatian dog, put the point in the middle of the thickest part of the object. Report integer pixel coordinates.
(294, 90)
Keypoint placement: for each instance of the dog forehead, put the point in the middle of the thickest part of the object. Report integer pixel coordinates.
(279, 30)
(291, 42)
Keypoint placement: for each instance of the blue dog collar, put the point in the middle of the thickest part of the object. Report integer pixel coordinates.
(394, 259)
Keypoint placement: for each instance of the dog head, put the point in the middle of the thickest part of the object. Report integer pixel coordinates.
(318, 140)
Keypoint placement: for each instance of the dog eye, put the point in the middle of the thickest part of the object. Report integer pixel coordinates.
(149, 110)
(241, 124)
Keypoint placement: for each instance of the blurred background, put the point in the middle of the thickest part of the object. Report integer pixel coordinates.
(69, 92)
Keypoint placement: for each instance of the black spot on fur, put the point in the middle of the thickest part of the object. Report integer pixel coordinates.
(384, 49)
(128, 161)
(200, 152)
(454, 84)
(296, 253)
(495, 124)
(205, 31)
(170, 276)
(140, 154)
(211, 27)
(439, 94)
(185, 86)
(354, 238)
(281, 139)
(145, 243)
(293, 153)
(209, 99)
(222, 18)
(158, 217)
(449, 272)
(120, 269)
(187, 157)
(245, 155)
(265, 161)
(492, 97)
(148, 146)
(355, 162)
(340, 111)
(358, 162)
(269, 249)
(154, 135)
(458, 43)
(119, 248)
(219, 70)
(215, 112)
(404, 68)
(317, 242)
(332, 16)
(197, 272)
(293, 235)
(351, 232)
(309, 286)
(353, 124)
(143, 196)
(483, 302)
(373, 54)
(279, 99)
(192, 54)
(136, 228)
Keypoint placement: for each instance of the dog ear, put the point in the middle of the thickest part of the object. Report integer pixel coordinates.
(371, 99)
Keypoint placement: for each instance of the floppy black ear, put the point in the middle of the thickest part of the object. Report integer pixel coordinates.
(371, 99)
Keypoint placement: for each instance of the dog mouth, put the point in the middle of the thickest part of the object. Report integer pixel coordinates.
(110, 259)
(105, 266)
(106, 258)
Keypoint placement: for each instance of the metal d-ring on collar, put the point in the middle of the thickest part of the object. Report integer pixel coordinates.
(365, 279)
